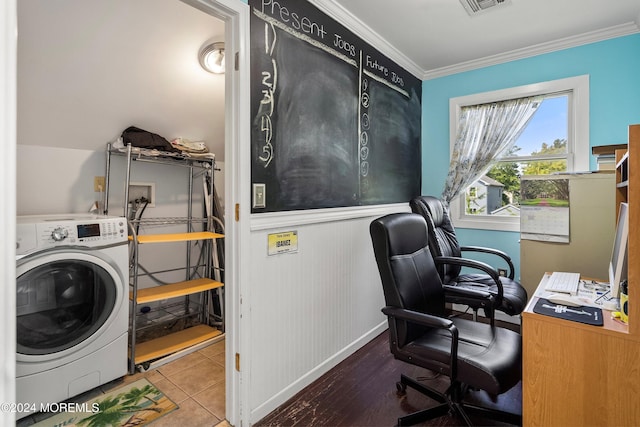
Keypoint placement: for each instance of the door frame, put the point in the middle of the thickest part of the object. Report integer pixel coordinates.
(8, 124)
(235, 15)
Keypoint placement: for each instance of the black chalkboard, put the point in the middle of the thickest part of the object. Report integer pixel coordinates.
(335, 123)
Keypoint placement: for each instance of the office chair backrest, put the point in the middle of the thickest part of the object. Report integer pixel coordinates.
(442, 234)
(409, 276)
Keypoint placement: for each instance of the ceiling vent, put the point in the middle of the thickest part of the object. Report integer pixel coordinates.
(475, 7)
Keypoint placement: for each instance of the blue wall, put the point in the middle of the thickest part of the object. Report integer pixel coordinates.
(614, 70)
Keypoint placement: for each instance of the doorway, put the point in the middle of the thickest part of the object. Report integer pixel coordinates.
(234, 13)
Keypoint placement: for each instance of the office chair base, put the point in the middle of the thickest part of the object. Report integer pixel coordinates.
(450, 402)
(426, 414)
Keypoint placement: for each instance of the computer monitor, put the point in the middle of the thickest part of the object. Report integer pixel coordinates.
(618, 262)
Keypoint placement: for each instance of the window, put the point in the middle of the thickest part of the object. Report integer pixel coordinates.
(540, 150)
(555, 140)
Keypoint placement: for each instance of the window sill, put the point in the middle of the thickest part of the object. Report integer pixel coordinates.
(489, 223)
(482, 222)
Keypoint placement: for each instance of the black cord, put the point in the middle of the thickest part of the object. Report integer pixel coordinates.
(137, 202)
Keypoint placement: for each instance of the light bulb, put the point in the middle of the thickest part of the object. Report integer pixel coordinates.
(212, 58)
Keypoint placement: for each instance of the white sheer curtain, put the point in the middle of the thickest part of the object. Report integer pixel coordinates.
(486, 132)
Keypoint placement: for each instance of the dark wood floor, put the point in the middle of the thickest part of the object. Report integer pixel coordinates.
(361, 391)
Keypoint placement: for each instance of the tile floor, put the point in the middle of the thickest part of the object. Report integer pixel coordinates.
(196, 382)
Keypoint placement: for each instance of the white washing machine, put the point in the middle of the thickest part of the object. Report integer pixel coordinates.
(72, 281)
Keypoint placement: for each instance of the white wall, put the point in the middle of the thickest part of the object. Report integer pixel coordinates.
(54, 180)
(313, 308)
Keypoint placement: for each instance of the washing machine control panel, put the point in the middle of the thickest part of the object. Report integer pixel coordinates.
(59, 234)
(56, 231)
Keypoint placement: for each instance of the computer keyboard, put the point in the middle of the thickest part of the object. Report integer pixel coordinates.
(564, 282)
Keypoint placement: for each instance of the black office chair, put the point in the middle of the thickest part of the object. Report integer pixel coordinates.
(510, 296)
(472, 354)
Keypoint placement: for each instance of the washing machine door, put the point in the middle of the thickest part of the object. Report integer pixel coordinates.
(63, 300)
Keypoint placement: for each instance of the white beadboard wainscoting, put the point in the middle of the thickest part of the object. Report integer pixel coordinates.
(311, 309)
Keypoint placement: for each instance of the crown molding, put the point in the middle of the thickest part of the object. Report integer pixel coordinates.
(534, 50)
(355, 25)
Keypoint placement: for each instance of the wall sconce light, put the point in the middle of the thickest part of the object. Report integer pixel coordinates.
(212, 58)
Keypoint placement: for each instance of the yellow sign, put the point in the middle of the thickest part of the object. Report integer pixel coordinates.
(280, 243)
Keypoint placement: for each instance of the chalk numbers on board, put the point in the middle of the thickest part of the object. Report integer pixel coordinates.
(267, 103)
(266, 127)
(364, 135)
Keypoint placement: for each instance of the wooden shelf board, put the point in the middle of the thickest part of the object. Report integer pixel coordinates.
(158, 293)
(622, 160)
(177, 237)
(171, 343)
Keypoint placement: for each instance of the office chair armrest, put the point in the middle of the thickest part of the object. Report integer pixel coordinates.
(493, 251)
(469, 296)
(428, 320)
(419, 318)
(479, 265)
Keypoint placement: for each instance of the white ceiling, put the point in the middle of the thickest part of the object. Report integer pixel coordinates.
(88, 69)
(438, 37)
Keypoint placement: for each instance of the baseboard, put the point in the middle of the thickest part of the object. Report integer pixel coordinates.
(287, 393)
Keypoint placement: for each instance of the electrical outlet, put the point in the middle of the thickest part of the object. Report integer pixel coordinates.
(143, 190)
(259, 195)
(98, 184)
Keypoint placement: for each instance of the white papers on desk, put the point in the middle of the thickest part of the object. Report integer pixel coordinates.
(586, 295)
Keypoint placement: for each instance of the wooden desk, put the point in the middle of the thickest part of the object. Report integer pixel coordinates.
(579, 375)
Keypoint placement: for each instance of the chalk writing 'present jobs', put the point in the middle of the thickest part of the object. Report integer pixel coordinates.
(297, 22)
(307, 26)
(342, 44)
